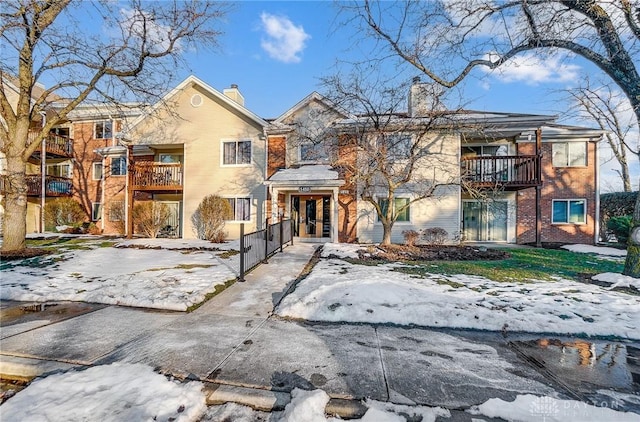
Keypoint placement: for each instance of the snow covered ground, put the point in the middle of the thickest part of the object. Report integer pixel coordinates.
(168, 274)
(337, 290)
(603, 252)
(134, 392)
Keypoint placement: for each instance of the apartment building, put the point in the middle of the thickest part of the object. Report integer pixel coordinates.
(493, 177)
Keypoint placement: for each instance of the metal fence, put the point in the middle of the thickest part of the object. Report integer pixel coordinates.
(258, 246)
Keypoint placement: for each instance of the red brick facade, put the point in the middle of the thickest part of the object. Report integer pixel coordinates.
(558, 183)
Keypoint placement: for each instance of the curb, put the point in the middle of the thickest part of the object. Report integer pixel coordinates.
(26, 369)
(270, 401)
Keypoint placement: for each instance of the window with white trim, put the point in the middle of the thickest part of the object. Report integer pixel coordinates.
(96, 210)
(118, 166)
(569, 211)
(103, 129)
(569, 154)
(59, 170)
(236, 153)
(240, 208)
(97, 171)
(313, 151)
(403, 215)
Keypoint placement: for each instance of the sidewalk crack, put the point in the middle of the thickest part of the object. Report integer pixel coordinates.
(384, 369)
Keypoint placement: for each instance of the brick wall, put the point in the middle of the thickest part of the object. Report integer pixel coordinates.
(558, 183)
(276, 154)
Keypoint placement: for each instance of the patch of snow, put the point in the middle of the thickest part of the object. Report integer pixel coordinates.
(163, 279)
(618, 280)
(339, 291)
(236, 413)
(600, 251)
(309, 406)
(341, 250)
(532, 408)
(116, 392)
(305, 173)
(174, 244)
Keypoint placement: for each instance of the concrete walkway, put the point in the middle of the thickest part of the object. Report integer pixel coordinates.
(251, 357)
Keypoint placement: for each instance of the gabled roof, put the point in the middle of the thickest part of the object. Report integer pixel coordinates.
(314, 96)
(214, 93)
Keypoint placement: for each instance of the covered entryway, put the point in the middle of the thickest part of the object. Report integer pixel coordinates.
(309, 196)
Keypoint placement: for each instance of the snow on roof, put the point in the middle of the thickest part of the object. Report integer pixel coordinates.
(305, 173)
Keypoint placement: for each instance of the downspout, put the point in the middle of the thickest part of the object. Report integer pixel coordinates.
(43, 175)
(596, 234)
(102, 187)
(266, 174)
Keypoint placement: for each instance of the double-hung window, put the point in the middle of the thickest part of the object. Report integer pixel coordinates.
(569, 154)
(96, 211)
(97, 171)
(59, 170)
(569, 211)
(119, 166)
(403, 215)
(236, 153)
(313, 151)
(240, 208)
(103, 129)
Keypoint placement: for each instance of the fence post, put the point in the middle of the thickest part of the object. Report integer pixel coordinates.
(266, 241)
(281, 233)
(242, 252)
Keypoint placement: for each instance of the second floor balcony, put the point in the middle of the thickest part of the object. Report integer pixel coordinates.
(154, 176)
(511, 172)
(59, 146)
(54, 185)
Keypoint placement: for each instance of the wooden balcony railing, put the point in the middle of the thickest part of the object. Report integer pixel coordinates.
(509, 172)
(148, 175)
(57, 145)
(55, 186)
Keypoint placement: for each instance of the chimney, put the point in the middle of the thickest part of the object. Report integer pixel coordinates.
(424, 98)
(233, 93)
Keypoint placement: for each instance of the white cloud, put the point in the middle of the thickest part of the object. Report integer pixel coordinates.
(535, 69)
(284, 41)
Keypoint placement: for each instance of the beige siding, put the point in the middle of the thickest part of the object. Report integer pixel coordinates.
(440, 210)
(201, 131)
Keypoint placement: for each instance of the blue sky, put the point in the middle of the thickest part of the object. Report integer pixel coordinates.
(277, 51)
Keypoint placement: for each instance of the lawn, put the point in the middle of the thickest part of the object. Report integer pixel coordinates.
(525, 265)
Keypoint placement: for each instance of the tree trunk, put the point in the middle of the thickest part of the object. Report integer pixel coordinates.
(386, 233)
(15, 205)
(632, 264)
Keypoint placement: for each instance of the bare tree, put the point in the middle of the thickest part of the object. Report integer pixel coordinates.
(447, 40)
(392, 158)
(610, 110)
(133, 51)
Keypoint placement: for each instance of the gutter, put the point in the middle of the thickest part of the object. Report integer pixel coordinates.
(596, 235)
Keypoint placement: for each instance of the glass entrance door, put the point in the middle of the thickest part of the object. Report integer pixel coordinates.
(311, 215)
(484, 221)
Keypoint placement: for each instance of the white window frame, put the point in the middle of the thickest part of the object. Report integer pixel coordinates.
(96, 211)
(124, 173)
(102, 123)
(315, 145)
(568, 204)
(378, 199)
(236, 141)
(567, 152)
(94, 172)
(178, 156)
(235, 198)
(68, 164)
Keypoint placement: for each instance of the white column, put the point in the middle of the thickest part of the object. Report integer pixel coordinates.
(274, 204)
(334, 223)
